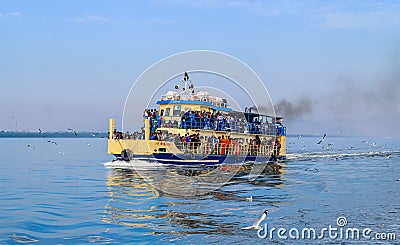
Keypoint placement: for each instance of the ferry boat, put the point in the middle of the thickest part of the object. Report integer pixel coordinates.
(192, 128)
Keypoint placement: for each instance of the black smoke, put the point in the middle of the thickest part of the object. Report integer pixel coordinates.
(295, 108)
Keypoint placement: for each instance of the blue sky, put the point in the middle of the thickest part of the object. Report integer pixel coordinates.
(71, 63)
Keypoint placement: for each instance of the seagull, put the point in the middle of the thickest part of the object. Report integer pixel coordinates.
(351, 147)
(327, 145)
(364, 141)
(249, 199)
(53, 142)
(70, 129)
(256, 224)
(40, 131)
(322, 140)
(31, 146)
(95, 134)
(62, 153)
(373, 144)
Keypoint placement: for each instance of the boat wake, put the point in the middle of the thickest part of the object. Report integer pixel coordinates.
(134, 164)
(340, 155)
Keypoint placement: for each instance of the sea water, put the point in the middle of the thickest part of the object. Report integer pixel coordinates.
(71, 193)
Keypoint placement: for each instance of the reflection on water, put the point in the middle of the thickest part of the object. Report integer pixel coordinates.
(127, 190)
(135, 203)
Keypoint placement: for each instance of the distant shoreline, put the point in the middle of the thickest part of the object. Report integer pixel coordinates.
(13, 134)
(64, 134)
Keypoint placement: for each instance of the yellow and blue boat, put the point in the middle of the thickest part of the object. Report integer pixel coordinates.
(198, 128)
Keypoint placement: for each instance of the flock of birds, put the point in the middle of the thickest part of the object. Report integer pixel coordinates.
(325, 145)
(31, 146)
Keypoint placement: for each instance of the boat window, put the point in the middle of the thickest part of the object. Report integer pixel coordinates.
(162, 113)
(167, 111)
(177, 110)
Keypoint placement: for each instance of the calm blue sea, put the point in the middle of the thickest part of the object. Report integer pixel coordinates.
(64, 194)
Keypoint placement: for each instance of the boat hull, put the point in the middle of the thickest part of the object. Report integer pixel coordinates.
(200, 159)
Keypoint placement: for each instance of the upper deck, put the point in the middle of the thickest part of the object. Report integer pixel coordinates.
(202, 111)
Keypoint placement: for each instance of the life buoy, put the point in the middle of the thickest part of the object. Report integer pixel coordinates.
(126, 155)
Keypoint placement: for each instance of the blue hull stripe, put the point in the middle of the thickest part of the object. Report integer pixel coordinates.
(196, 159)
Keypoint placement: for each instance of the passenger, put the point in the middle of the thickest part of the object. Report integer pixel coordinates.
(257, 143)
(203, 148)
(229, 145)
(178, 141)
(223, 142)
(277, 147)
(219, 145)
(186, 142)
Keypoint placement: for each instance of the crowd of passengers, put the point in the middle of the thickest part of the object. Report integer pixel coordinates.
(203, 144)
(207, 120)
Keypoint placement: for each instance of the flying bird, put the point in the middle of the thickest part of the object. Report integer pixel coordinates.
(31, 146)
(40, 131)
(62, 153)
(53, 142)
(70, 129)
(256, 224)
(322, 140)
(249, 199)
(327, 146)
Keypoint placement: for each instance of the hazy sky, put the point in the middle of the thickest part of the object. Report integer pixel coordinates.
(71, 63)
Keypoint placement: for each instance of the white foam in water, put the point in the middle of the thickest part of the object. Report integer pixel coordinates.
(133, 164)
(312, 155)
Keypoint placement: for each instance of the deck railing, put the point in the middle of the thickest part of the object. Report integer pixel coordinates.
(206, 148)
(220, 125)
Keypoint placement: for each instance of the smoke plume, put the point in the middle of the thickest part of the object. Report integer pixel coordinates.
(294, 109)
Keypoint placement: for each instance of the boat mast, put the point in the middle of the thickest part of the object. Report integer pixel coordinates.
(188, 89)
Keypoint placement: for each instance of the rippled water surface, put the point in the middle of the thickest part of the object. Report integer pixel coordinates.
(71, 193)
